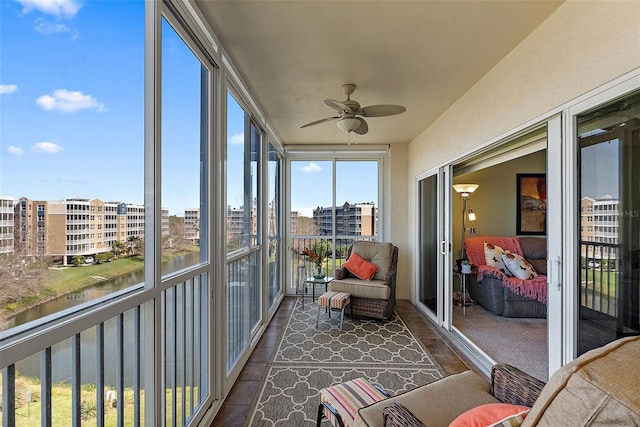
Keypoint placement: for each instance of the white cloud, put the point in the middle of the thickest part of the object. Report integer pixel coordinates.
(46, 147)
(312, 167)
(66, 101)
(48, 28)
(57, 8)
(237, 139)
(8, 89)
(14, 151)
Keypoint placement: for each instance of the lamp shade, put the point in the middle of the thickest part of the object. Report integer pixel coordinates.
(465, 188)
(472, 215)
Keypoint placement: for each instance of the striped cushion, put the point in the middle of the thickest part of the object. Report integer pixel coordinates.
(334, 299)
(348, 397)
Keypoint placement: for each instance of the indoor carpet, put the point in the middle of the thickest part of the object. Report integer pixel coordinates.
(309, 359)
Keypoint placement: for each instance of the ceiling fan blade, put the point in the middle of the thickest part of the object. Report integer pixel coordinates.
(363, 128)
(337, 105)
(317, 122)
(381, 110)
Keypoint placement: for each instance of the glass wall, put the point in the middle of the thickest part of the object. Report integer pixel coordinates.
(243, 228)
(72, 93)
(609, 223)
(333, 202)
(274, 226)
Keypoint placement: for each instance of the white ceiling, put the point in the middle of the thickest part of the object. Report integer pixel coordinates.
(420, 54)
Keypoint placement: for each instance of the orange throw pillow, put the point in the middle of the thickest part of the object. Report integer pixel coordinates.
(360, 267)
(492, 414)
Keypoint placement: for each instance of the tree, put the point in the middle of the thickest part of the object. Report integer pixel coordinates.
(134, 242)
(19, 278)
(118, 247)
(78, 260)
(104, 256)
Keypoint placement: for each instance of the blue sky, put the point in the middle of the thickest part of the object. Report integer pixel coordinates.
(72, 112)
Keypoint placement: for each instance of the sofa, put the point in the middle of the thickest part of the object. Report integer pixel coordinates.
(374, 298)
(503, 295)
(589, 391)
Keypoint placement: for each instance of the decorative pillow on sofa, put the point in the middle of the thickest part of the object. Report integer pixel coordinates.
(360, 267)
(518, 266)
(492, 415)
(397, 415)
(493, 257)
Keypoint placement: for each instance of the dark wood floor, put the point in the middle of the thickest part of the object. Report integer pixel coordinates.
(238, 404)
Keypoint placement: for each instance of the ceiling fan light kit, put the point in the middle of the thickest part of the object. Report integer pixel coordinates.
(349, 111)
(349, 124)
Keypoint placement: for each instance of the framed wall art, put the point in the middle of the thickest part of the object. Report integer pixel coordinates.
(531, 200)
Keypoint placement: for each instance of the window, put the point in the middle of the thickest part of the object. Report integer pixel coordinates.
(184, 139)
(91, 89)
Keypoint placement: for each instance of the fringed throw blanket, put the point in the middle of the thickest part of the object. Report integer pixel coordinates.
(535, 288)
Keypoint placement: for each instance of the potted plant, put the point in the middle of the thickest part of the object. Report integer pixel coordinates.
(317, 255)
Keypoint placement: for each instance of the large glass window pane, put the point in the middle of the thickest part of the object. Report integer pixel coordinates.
(238, 226)
(609, 258)
(428, 241)
(184, 142)
(72, 154)
(356, 198)
(273, 225)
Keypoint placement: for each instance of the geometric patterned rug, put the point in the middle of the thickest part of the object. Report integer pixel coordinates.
(309, 359)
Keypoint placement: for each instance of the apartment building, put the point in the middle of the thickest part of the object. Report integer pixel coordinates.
(6, 225)
(192, 225)
(66, 228)
(352, 219)
(599, 229)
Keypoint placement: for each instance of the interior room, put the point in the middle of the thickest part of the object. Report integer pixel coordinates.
(495, 206)
(236, 213)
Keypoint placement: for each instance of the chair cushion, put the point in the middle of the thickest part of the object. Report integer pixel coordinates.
(378, 253)
(348, 397)
(435, 404)
(359, 267)
(598, 388)
(375, 289)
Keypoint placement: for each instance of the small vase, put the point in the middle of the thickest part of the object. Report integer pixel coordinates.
(318, 273)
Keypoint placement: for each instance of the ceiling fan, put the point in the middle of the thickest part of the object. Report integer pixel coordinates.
(349, 119)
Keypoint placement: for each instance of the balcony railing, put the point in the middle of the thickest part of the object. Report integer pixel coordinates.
(599, 276)
(95, 375)
(339, 252)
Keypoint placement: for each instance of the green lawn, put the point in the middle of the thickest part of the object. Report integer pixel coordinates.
(57, 282)
(28, 414)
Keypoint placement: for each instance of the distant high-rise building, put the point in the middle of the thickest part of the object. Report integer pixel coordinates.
(7, 225)
(192, 224)
(357, 219)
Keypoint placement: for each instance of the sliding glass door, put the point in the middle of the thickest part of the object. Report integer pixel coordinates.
(432, 241)
(608, 258)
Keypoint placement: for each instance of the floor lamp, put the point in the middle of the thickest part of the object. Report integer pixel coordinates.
(465, 191)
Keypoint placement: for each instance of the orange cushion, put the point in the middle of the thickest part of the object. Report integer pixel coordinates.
(360, 267)
(492, 414)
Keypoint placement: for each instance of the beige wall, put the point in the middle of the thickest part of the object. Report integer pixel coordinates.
(582, 46)
(494, 202)
(397, 212)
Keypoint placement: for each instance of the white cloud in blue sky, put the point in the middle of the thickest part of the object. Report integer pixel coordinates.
(66, 101)
(237, 139)
(312, 167)
(46, 147)
(14, 151)
(48, 28)
(58, 8)
(8, 89)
